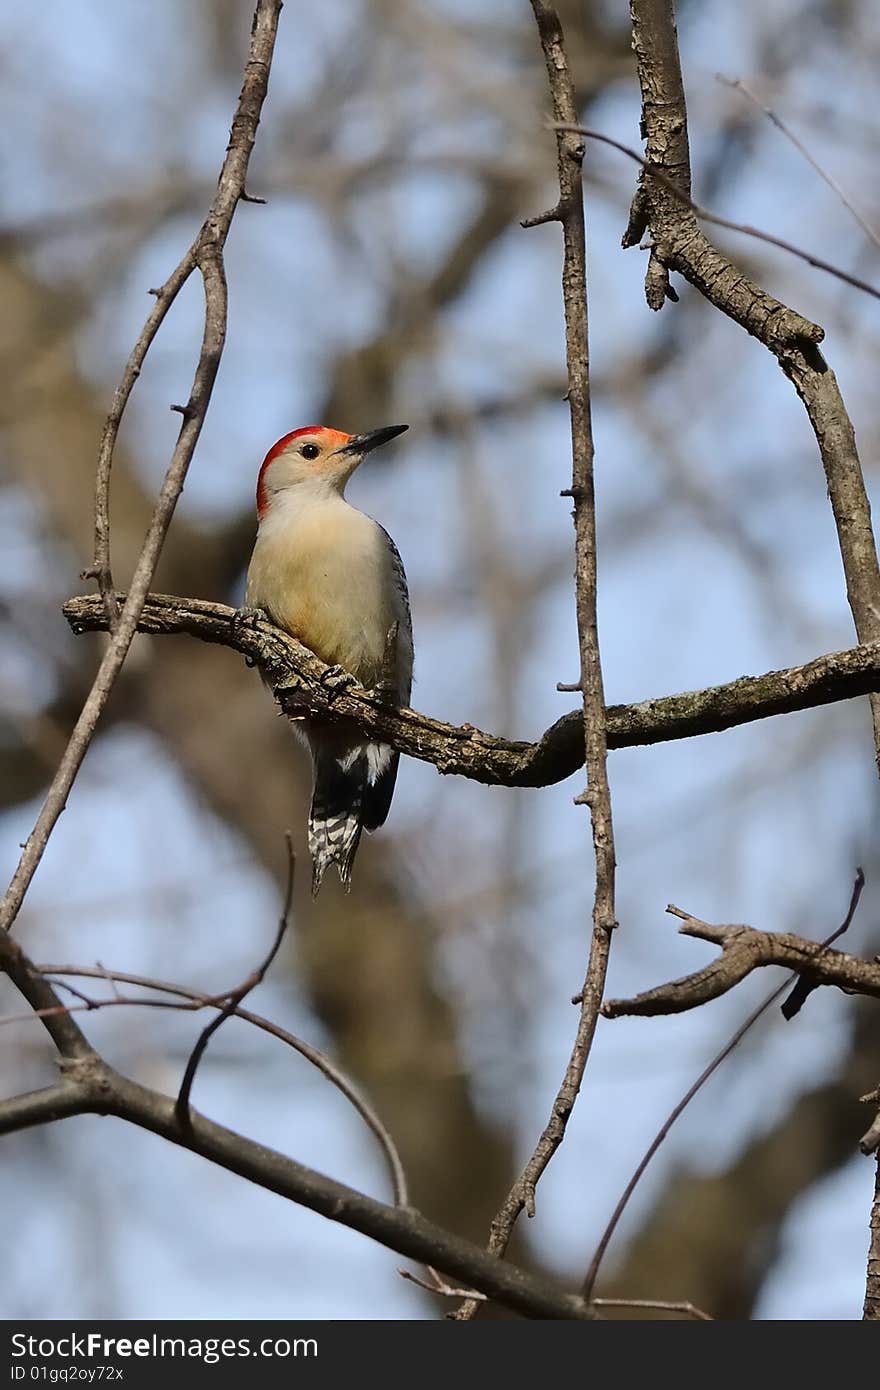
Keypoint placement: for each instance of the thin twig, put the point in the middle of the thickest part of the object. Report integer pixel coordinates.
(739, 85)
(435, 1283)
(804, 986)
(706, 216)
(236, 996)
(65, 1032)
(569, 211)
(705, 1074)
(102, 1091)
(687, 1310)
(208, 253)
(193, 1000)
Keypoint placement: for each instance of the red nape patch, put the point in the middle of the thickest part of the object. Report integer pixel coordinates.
(322, 433)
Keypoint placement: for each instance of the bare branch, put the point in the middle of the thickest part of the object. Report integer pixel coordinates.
(399, 1228)
(872, 1282)
(686, 1309)
(103, 1091)
(195, 1000)
(207, 254)
(465, 751)
(679, 244)
(743, 949)
(705, 215)
(64, 1031)
(569, 211)
(694, 1090)
(91, 1086)
(739, 85)
(42, 1107)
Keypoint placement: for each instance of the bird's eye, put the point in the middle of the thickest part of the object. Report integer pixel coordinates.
(310, 451)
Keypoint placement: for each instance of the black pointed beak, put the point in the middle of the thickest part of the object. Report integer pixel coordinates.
(364, 443)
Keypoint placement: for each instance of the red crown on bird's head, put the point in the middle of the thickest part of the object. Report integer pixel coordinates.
(323, 435)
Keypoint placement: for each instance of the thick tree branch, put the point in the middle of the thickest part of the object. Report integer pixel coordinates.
(679, 244)
(296, 673)
(41, 1107)
(399, 1228)
(106, 1092)
(743, 949)
(207, 253)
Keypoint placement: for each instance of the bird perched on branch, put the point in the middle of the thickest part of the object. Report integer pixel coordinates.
(332, 578)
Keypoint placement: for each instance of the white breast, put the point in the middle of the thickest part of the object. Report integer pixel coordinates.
(323, 571)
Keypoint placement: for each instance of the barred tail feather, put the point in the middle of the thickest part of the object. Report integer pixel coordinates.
(336, 816)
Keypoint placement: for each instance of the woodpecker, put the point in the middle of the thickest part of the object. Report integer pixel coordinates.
(332, 577)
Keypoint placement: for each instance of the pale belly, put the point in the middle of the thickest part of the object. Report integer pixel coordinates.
(328, 585)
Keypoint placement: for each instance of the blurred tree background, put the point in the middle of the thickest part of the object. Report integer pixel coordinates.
(387, 278)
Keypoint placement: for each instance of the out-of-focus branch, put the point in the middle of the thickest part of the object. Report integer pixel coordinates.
(297, 676)
(679, 244)
(739, 85)
(655, 1305)
(207, 253)
(743, 949)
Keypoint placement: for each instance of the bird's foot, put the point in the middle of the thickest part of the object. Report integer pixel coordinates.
(247, 617)
(335, 679)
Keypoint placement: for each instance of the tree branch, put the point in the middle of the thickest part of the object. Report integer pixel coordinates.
(195, 999)
(872, 1282)
(296, 674)
(99, 1089)
(207, 253)
(569, 211)
(64, 1031)
(43, 1106)
(91, 1086)
(743, 228)
(679, 244)
(743, 949)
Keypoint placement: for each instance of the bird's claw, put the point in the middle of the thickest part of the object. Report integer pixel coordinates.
(246, 617)
(336, 679)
